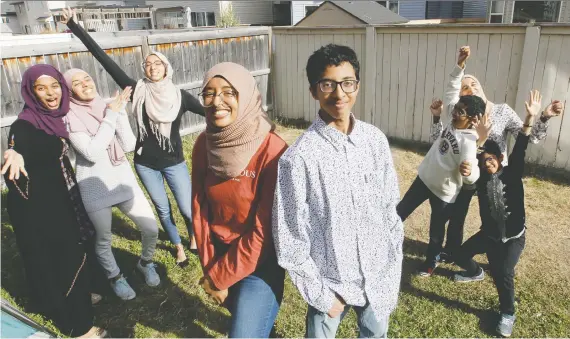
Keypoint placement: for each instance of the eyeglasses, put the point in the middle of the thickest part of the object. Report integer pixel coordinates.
(329, 86)
(207, 98)
(459, 111)
(156, 63)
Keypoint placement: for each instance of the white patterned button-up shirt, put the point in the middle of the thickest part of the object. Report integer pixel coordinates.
(335, 224)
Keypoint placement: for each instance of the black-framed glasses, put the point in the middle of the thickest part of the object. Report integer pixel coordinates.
(207, 98)
(329, 86)
(156, 63)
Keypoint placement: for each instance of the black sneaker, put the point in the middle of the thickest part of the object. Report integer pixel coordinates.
(445, 258)
(426, 269)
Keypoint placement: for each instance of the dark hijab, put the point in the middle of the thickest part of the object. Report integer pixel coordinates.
(49, 121)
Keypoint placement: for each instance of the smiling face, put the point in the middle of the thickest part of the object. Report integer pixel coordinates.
(338, 104)
(490, 163)
(83, 87)
(154, 68)
(459, 116)
(48, 92)
(221, 102)
(470, 86)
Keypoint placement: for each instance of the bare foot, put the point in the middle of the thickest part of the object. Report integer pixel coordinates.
(193, 246)
(95, 332)
(180, 254)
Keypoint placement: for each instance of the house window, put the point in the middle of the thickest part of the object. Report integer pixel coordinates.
(199, 19)
(5, 20)
(497, 12)
(392, 5)
(536, 11)
(310, 9)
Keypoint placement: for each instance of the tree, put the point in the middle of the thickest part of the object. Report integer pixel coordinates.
(227, 18)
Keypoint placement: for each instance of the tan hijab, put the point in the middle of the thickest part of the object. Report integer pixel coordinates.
(161, 100)
(231, 148)
(489, 104)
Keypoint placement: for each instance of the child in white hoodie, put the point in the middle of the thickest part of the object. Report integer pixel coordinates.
(450, 163)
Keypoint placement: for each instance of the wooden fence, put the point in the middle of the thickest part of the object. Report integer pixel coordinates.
(404, 67)
(190, 53)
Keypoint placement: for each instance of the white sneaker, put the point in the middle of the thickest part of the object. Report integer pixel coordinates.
(150, 276)
(122, 289)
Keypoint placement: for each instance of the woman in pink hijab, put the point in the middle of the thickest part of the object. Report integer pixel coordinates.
(100, 133)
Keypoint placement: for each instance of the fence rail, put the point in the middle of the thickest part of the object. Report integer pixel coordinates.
(404, 67)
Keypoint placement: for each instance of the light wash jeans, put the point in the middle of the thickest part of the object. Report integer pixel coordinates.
(320, 325)
(178, 179)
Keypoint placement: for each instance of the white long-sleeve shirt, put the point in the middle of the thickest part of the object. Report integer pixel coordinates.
(100, 182)
(335, 224)
(439, 170)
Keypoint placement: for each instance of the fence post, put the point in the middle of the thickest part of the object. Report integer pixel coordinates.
(528, 64)
(369, 72)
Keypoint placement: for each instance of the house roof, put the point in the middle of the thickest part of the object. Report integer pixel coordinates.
(369, 12)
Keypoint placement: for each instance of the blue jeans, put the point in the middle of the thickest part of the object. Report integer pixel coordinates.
(178, 179)
(254, 303)
(320, 325)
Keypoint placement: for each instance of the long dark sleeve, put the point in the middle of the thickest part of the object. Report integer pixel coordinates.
(114, 70)
(516, 159)
(191, 103)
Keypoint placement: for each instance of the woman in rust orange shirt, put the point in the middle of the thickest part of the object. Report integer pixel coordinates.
(234, 172)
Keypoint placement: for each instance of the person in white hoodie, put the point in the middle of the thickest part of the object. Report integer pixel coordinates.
(450, 163)
(505, 121)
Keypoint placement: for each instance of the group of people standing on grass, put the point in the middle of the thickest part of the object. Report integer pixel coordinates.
(326, 209)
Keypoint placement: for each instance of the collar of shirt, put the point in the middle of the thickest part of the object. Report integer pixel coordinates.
(336, 137)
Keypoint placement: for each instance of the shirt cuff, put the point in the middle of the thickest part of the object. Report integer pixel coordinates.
(325, 302)
(457, 71)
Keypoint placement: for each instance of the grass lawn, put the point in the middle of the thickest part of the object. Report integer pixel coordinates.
(432, 307)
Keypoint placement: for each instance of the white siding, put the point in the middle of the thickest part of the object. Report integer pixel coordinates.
(254, 12)
(509, 8)
(298, 9)
(565, 12)
(195, 6)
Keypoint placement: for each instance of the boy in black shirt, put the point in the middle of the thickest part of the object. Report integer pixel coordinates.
(501, 201)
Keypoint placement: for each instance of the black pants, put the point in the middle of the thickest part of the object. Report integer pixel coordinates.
(457, 221)
(416, 195)
(503, 257)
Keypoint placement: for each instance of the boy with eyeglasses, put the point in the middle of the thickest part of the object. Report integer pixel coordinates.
(450, 163)
(335, 224)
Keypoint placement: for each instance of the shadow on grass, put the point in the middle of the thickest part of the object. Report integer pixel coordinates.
(167, 309)
(487, 317)
(122, 228)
